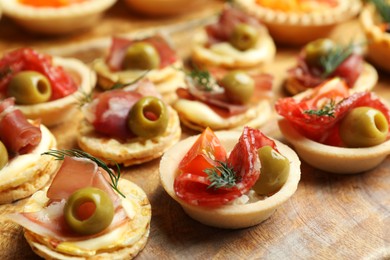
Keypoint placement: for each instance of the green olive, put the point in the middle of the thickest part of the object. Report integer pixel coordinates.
(29, 87)
(141, 56)
(100, 216)
(317, 49)
(273, 173)
(364, 127)
(148, 117)
(239, 86)
(243, 37)
(3, 155)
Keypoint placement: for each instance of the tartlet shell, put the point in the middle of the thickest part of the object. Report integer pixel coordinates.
(57, 111)
(229, 216)
(141, 224)
(56, 21)
(378, 42)
(293, 28)
(334, 159)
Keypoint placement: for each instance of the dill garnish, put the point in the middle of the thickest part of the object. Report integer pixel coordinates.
(122, 85)
(202, 78)
(221, 176)
(85, 98)
(334, 58)
(60, 155)
(383, 9)
(326, 110)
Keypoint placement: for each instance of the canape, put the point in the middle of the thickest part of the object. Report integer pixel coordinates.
(323, 59)
(235, 191)
(235, 41)
(224, 100)
(297, 22)
(151, 57)
(336, 130)
(375, 23)
(55, 17)
(22, 170)
(130, 125)
(45, 87)
(88, 212)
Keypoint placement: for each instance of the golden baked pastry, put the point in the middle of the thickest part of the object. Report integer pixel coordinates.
(378, 40)
(121, 68)
(225, 43)
(118, 228)
(247, 209)
(116, 139)
(58, 19)
(295, 22)
(335, 129)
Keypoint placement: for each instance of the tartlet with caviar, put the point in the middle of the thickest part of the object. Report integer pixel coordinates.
(131, 125)
(375, 20)
(44, 87)
(235, 41)
(22, 169)
(151, 57)
(238, 190)
(224, 100)
(323, 59)
(335, 129)
(296, 22)
(55, 17)
(88, 212)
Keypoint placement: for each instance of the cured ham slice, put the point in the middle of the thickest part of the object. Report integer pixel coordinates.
(119, 46)
(229, 18)
(49, 222)
(17, 134)
(62, 83)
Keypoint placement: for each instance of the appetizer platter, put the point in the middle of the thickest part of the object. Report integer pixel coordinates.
(312, 213)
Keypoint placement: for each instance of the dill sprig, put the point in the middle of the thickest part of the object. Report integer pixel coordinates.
(221, 176)
(202, 78)
(60, 155)
(383, 9)
(85, 98)
(122, 85)
(334, 58)
(326, 110)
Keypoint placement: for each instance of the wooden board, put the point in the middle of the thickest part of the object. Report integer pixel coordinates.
(329, 217)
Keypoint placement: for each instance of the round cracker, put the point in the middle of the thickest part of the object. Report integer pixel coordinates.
(132, 151)
(139, 225)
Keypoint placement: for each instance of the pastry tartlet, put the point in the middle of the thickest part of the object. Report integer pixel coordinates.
(244, 211)
(297, 22)
(207, 101)
(23, 170)
(61, 104)
(56, 20)
(117, 228)
(378, 40)
(335, 129)
(235, 41)
(323, 59)
(121, 68)
(109, 133)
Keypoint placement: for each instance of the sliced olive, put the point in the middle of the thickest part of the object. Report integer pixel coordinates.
(243, 37)
(364, 127)
(89, 211)
(317, 49)
(148, 117)
(239, 86)
(29, 87)
(273, 173)
(3, 155)
(141, 56)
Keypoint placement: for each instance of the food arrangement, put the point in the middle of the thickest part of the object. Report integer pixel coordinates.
(129, 120)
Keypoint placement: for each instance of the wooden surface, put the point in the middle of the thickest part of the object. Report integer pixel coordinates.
(329, 217)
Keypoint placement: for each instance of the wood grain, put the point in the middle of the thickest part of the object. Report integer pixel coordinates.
(329, 217)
